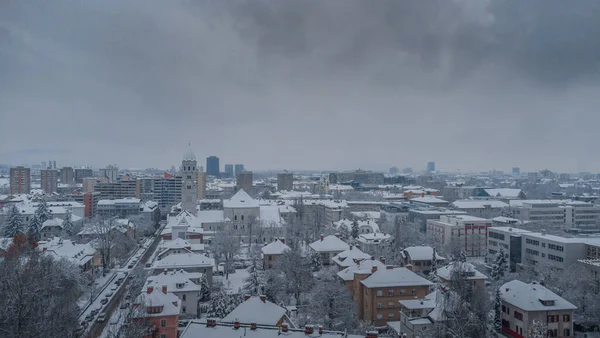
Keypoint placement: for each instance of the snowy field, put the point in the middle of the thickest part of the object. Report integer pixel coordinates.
(234, 284)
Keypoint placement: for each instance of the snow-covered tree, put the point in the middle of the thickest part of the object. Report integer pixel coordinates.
(354, 231)
(500, 266)
(343, 231)
(294, 273)
(225, 246)
(274, 285)
(315, 261)
(537, 330)
(432, 277)
(331, 305)
(204, 289)
(254, 284)
(498, 311)
(33, 233)
(463, 256)
(14, 223)
(221, 304)
(43, 212)
(68, 223)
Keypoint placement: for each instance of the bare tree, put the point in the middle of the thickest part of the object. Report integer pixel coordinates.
(225, 246)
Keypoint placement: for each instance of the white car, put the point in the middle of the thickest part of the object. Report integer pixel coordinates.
(101, 318)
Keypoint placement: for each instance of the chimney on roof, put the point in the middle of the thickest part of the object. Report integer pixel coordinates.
(73, 242)
(382, 259)
(309, 329)
(371, 334)
(253, 326)
(389, 267)
(150, 289)
(373, 269)
(165, 272)
(246, 297)
(236, 324)
(320, 329)
(409, 267)
(45, 249)
(164, 289)
(322, 237)
(284, 327)
(263, 298)
(211, 322)
(337, 234)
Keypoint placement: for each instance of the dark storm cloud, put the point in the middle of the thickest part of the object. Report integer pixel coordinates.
(302, 84)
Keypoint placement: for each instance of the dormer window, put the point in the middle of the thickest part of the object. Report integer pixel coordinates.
(547, 302)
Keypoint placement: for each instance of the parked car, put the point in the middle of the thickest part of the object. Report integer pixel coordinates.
(238, 265)
(124, 306)
(101, 318)
(89, 318)
(130, 266)
(104, 301)
(114, 287)
(95, 311)
(108, 294)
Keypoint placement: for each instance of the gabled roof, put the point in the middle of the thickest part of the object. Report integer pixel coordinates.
(529, 297)
(180, 261)
(198, 328)
(53, 222)
(76, 253)
(240, 200)
(346, 258)
(257, 311)
(394, 277)
(421, 253)
(184, 218)
(478, 204)
(276, 247)
(329, 244)
(175, 281)
(472, 273)
(170, 303)
(503, 192)
(363, 267)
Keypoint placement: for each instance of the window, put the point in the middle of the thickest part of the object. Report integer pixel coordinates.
(163, 323)
(379, 305)
(552, 333)
(566, 318)
(183, 309)
(567, 332)
(391, 304)
(189, 177)
(414, 292)
(235, 218)
(183, 298)
(270, 258)
(402, 292)
(242, 217)
(163, 335)
(379, 316)
(379, 293)
(504, 308)
(391, 315)
(390, 292)
(518, 315)
(553, 319)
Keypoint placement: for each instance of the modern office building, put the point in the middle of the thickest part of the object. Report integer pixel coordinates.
(110, 172)
(509, 239)
(461, 233)
(244, 181)
(167, 192)
(20, 180)
(81, 173)
(49, 179)
(124, 188)
(430, 166)
(516, 171)
(357, 177)
(212, 166)
(229, 170)
(239, 168)
(67, 176)
(285, 181)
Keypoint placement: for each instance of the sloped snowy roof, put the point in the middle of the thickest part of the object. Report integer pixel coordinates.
(56, 222)
(189, 155)
(503, 192)
(428, 302)
(348, 224)
(529, 297)
(257, 311)
(428, 200)
(198, 328)
(422, 253)
(184, 218)
(5, 242)
(346, 258)
(210, 216)
(363, 267)
(394, 277)
(189, 260)
(175, 281)
(270, 213)
(76, 253)
(179, 243)
(478, 204)
(275, 248)
(329, 244)
(241, 200)
(472, 273)
(373, 238)
(168, 301)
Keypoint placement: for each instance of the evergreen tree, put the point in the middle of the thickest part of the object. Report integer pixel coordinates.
(500, 266)
(432, 277)
(14, 223)
(538, 330)
(343, 232)
(221, 304)
(204, 289)
(354, 232)
(315, 261)
(463, 257)
(68, 223)
(34, 229)
(254, 284)
(43, 212)
(498, 311)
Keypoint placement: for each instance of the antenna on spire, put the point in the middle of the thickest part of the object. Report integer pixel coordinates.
(189, 143)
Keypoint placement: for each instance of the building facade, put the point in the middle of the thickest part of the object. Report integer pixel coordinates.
(461, 232)
(67, 176)
(285, 181)
(20, 180)
(81, 173)
(49, 179)
(212, 166)
(189, 184)
(243, 180)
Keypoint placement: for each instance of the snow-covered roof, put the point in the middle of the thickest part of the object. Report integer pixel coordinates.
(362, 267)
(189, 155)
(346, 258)
(348, 224)
(175, 281)
(340, 187)
(169, 302)
(367, 214)
(373, 238)
(179, 243)
(520, 203)
(394, 277)
(503, 192)
(509, 230)
(428, 302)
(53, 222)
(210, 216)
(471, 273)
(78, 254)
(240, 200)
(421, 253)
(329, 203)
(529, 297)
(254, 310)
(478, 204)
(329, 244)
(128, 200)
(182, 261)
(548, 237)
(5, 243)
(428, 200)
(275, 248)
(506, 220)
(270, 213)
(184, 218)
(198, 328)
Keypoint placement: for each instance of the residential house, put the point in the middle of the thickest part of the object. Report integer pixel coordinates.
(349, 257)
(371, 242)
(355, 273)
(189, 262)
(328, 247)
(184, 225)
(523, 303)
(82, 255)
(177, 246)
(184, 285)
(159, 310)
(52, 228)
(471, 274)
(257, 310)
(420, 257)
(211, 329)
(418, 315)
(271, 252)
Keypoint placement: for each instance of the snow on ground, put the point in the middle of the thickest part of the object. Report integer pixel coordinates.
(234, 284)
(99, 283)
(114, 323)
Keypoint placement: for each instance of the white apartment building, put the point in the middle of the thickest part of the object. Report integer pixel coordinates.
(510, 240)
(555, 251)
(480, 208)
(570, 214)
(463, 232)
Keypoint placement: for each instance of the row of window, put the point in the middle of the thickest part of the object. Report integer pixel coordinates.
(532, 252)
(555, 258)
(532, 242)
(554, 333)
(496, 235)
(390, 305)
(390, 316)
(555, 247)
(556, 318)
(392, 292)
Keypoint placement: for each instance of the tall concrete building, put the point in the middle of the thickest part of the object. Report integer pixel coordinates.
(20, 180)
(430, 166)
(516, 171)
(123, 188)
(201, 185)
(49, 178)
(81, 173)
(189, 186)
(244, 181)
(67, 176)
(229, 170)
(110, 172)
(212, 166)
(88, 184)
(239, 168)
(167, 191)
(285, 181)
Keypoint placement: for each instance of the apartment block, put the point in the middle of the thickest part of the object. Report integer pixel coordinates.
(123, 188)
(569, 214)
(121, 208)
(462, 232)
(555, 251)
(67, 176)
(509, 239)
(49, 179)
(20, 180)
(285, 181)
(81, 173)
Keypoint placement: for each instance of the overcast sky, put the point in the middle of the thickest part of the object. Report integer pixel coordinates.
(311, 84)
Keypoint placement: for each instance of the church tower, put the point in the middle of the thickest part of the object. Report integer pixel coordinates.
(189, 186)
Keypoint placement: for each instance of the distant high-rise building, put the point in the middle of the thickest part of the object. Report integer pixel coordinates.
(244, 181)
(123, 188)
(49, 178)
(67, 176)
(516, 171)
(20, 180)
(229, 170)
(212, 166)
(81, 173)
(44, 165)
(88, 184)
(430, 166)
(407, 170)
(167, 191)
(239, 168)
(189, 185)
(110, 172)
(394, 171)
(201, 185)
(201, 169)
(285, 181)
